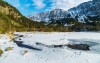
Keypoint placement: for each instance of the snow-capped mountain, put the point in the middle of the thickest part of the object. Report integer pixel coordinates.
(91, 8)
(81, 12)
(46, 16)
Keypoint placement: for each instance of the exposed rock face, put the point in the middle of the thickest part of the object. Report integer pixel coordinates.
(46, 16)
(90, 8)
(96, 0)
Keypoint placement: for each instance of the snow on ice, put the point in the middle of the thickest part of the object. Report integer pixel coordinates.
(51, 55)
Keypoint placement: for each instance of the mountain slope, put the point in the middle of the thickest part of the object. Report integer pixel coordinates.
(86, 10)
(46, 16)
(12, 20)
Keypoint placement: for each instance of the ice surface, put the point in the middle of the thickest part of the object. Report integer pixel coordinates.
(51, 55)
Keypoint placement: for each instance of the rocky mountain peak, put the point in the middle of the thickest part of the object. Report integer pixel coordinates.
(46, 16)
(96, 0)
(81, 12)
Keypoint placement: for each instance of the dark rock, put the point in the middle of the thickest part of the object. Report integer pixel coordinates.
(79, 46)
(20, 44)
(58, 46)
(21, 35)
(20, 39)
(16, 34)
(37, 43)
(50, 46)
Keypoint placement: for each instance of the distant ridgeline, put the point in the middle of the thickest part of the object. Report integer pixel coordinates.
(12, 20)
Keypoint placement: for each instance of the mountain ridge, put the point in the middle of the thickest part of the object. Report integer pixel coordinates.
(49, 15)
(45, 16)
(81, 12)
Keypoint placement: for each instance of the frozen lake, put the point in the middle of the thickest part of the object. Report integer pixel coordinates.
(51, 55)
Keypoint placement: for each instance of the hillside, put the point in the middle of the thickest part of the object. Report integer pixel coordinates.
(12, 20)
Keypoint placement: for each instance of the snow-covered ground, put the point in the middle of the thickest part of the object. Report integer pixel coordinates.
(51, 55)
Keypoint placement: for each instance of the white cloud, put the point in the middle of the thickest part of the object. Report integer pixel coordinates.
(66, 4)
(39, 4)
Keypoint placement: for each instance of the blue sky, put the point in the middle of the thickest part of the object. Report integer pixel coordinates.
(28, 7)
